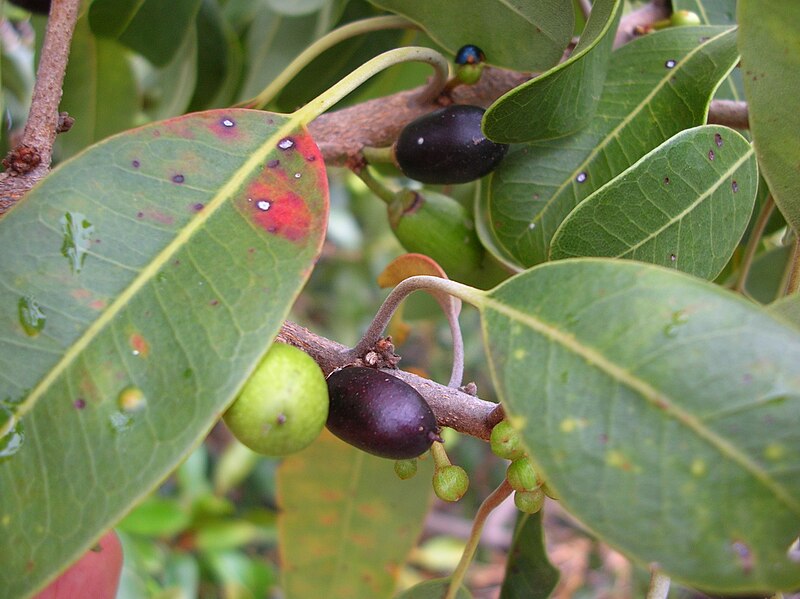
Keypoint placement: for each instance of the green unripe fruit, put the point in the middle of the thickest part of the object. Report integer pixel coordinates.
(447, 146)
(529, 502)
(405, 469)
(469, 64)
(450, 483)
(684, 17)
(438, 226)
(521, 475)
(506, 442)
(283, 406)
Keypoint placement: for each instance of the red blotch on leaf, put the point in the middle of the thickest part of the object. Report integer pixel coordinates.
(286, 215)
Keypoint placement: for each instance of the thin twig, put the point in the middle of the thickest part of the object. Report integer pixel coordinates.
(490, 503)
(730, 113)
(794, 277)
(452, 407)
(752, 244)
(36, 143)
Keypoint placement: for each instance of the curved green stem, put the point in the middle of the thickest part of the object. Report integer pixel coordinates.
(439, 455)
(378, 155)
(324, 43)
(375, 186)
(490, 503)
(340, 90)
(435, 285)
(753, 243)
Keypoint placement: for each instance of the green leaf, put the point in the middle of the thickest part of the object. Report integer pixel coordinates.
(156, 517)
(529, 573)
(239, 575)
(656, 86)
(787, 308)
(662, 410)
(766, 278)
(346, 522)
(168, 89)
(219, 59)
(272, 42)
(145, 26)
(717, 12)
(562, 100)
(525, 35)
(332, 65)
(100, 91)
(771, 73)
(433, 589)
(685, 205)
(181, 280)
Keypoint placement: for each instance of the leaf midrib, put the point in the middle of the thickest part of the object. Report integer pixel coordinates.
(149, 272)
(653, 396)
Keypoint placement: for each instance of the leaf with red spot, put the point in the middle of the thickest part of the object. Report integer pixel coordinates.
(142, 281)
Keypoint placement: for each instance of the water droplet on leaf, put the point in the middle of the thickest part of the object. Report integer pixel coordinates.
(227, 123)
(77, 231)
(31, 316)
(581, 177)
(670, 64)
(263, 205)
(12, 434)
(178, 179)
(673, 257)
(286, 143)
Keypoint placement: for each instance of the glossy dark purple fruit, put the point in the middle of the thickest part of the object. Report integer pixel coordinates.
(41, 7)
(380, 414)
(447, 146)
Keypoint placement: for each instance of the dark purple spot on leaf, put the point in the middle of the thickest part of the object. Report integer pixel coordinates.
(311, 158)
(673, 257)
(178, 178)
(666, 180)
(711, 154)
(214, 303)
(198, 206)
(281, 419)
(718, 140)
(136, 163)
(670, 64)
(273, 163)
(287, 143)
(734, 186)
(79, 403)
(140, 214)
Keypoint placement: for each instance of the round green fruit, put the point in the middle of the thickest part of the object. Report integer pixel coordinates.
(405, 469)
(283, 406)
(450, 483)
(521, 475)
(529, 502)
(505, 441)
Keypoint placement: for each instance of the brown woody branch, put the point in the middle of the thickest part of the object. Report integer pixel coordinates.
(30, 160)
(453, 408)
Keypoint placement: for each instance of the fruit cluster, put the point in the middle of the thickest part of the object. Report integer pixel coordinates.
(529, 489)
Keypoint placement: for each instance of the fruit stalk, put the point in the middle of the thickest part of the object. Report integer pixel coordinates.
(494, 499)
(324, 43)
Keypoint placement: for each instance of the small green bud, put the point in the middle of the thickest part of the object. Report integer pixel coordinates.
(469, 64)
(521, 475)
(529, 502)
(450, 483)
(405, 469)
(505, 441)
(684, 17)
